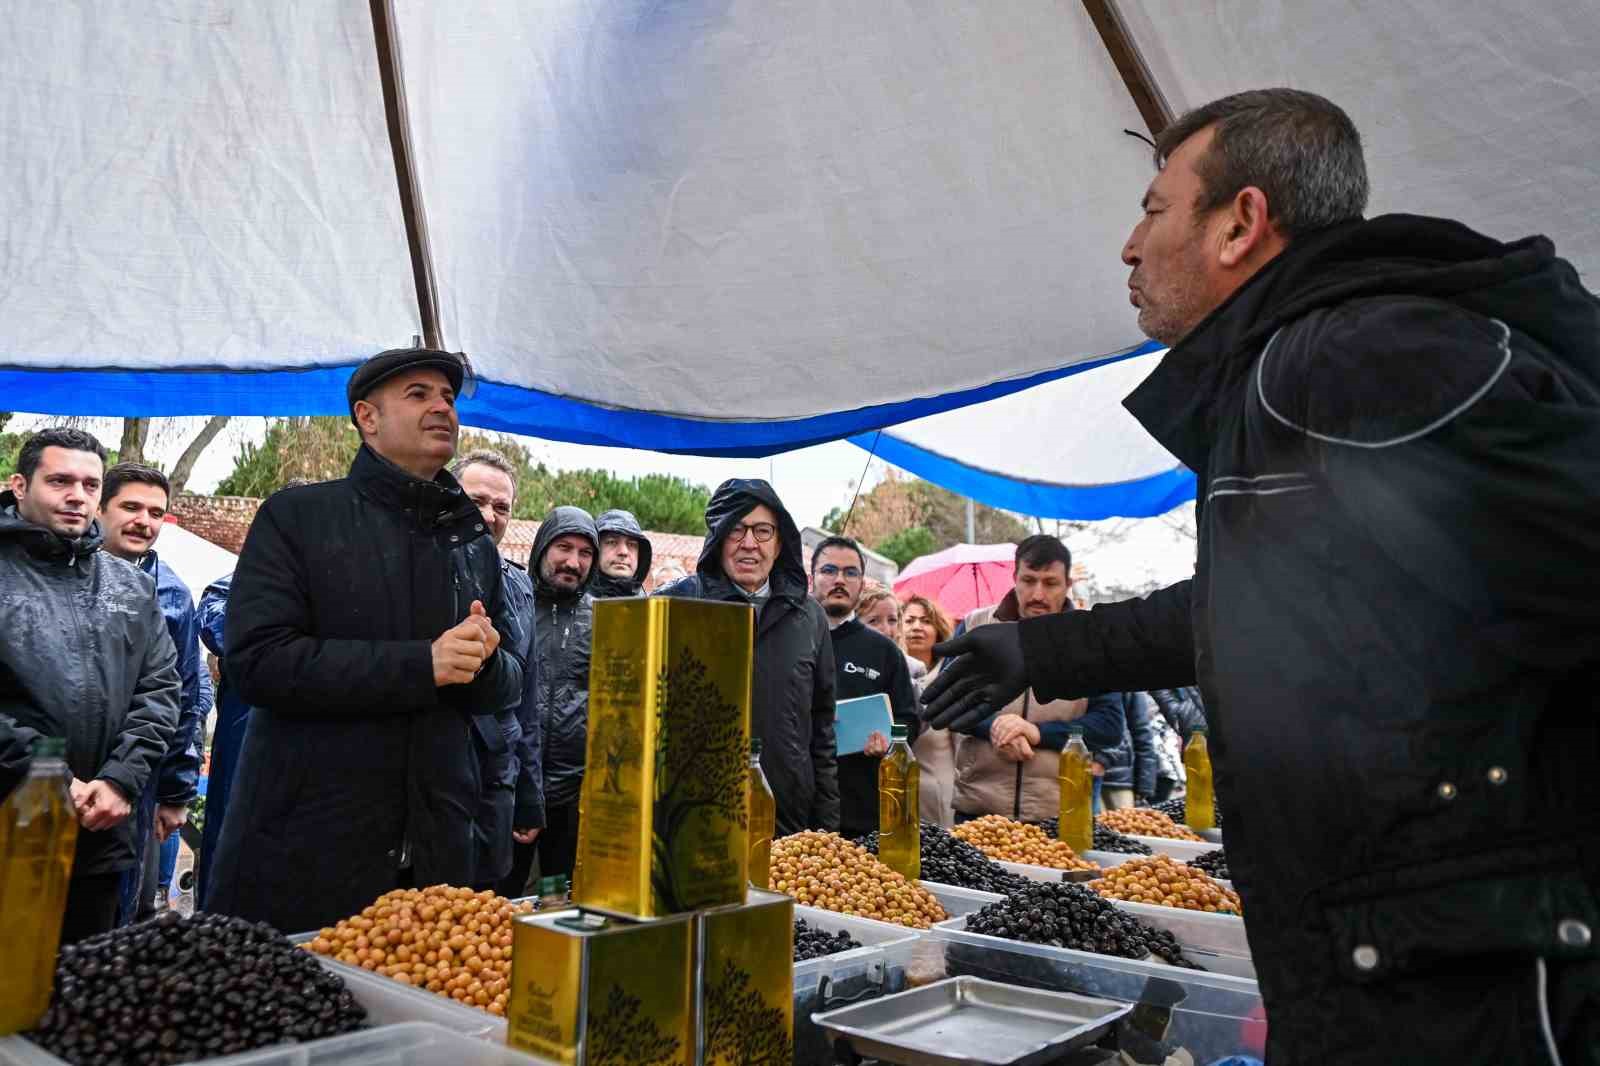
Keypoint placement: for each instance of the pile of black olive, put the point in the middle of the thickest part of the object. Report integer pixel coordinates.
(1177, 810)
(947, 860)
(812, 943)
(1071, 916)
(1104, 839)
(177, 989)
(1214, 863)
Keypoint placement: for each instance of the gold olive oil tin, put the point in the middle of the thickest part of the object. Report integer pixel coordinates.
(744, 959)
(663, 812)
(593, 990)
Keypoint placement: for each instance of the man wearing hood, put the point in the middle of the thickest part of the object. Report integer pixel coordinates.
(364, 630)
(752, 554)
(1394, 620)
(624, 556)
(85, 656)
(563, 568)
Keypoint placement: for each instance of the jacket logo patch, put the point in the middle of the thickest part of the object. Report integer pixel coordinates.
(872, 675)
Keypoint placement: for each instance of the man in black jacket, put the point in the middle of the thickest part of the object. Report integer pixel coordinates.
(625, 556)
(563, 567)
(509, 760)
(84, 655)
(361, 630)
(1395, 426)
(866, 663)
(752, 555)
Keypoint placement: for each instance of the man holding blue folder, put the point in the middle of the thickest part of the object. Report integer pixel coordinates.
(868, 664)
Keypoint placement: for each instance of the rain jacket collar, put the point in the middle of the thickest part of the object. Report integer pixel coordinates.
(43, 543)
(563, 521)
(734, 499)
(429, 503)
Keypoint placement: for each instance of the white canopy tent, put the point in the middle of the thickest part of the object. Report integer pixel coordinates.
(723, 228)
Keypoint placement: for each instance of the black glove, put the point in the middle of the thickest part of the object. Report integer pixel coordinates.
(986, 671)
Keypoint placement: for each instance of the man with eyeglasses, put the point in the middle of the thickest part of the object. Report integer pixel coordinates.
(752, 555)
(867, 663)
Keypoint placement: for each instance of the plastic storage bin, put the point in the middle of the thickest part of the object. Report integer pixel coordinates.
(1182, 850)
(409, 1044)
(882, 965)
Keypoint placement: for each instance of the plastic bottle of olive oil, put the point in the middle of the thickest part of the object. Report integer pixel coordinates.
(899, 827)
(38, 832)
(763, 820)
(1075, 776)
(1199, 802)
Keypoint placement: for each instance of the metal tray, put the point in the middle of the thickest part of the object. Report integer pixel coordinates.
(967, 1021)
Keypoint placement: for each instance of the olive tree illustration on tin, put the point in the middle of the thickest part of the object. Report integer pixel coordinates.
(700, 768)
(621, 1037)
(741, 1027)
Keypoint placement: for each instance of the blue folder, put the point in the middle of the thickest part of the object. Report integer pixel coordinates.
(855, 720)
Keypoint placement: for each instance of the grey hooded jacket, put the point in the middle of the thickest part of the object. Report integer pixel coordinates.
(607, 587)
(85, 655)
(562, 627)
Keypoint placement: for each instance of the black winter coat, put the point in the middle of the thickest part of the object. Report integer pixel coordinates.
(1395, 621)
(792, 690)
(355, 763)
(500, 751)
(85, 655)
(1183, 708)
(605, 586)
(563, 637)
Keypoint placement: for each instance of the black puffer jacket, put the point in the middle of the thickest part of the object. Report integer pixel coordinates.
(605, 586)
(354, 763)
(1395, 620)
(792, 690)
(85, 655)
(1183, 708)
(563, 635)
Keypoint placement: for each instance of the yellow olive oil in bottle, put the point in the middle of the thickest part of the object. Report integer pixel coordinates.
(1199, 802)
(899, 831)
(763, 820)
(1075, 776)
(38, 832)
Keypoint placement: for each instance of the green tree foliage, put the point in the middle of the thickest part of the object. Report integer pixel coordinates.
(906, 517)
(316, 448)
(323, 447)
(10, 445)
(907, 544)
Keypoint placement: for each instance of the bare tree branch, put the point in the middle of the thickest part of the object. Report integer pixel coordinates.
(191, 454)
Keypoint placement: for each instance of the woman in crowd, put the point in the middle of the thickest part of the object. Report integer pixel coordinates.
(922, 625)
(878, 609)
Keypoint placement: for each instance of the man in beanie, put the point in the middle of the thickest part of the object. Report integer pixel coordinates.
(362, 631)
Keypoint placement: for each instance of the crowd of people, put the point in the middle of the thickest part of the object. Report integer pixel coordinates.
(399, 703)
(1392, 423)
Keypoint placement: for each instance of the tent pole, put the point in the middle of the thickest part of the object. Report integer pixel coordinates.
(972, 522)
(1124, 53)
(394, 106)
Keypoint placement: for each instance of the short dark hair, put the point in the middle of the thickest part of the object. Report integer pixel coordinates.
(55, 437)
(486, 457)
(1298, 148)
(838, 542)
(133, 474)
(1040, 550)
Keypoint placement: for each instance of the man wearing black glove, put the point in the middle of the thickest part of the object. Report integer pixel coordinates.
(1395, 429)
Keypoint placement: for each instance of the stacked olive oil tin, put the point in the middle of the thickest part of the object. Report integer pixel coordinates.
(669, 957)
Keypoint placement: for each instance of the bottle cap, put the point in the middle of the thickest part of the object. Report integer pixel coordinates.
(1075, 727)
(1198, 731)
(755, 745)
(50, 748)
(897, 732)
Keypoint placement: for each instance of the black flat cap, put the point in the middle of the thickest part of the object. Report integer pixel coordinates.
(387, 364)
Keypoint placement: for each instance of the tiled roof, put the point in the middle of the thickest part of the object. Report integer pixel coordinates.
(677, 547)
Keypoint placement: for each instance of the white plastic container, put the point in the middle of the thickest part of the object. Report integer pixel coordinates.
(408, 1044)
(1182, 850)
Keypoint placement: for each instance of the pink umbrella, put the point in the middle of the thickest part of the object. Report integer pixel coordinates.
(960, 578)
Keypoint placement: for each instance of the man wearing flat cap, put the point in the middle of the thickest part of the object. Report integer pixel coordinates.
(368, 628)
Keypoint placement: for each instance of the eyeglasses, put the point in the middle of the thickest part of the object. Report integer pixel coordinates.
(762, 531)
(829, 570)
